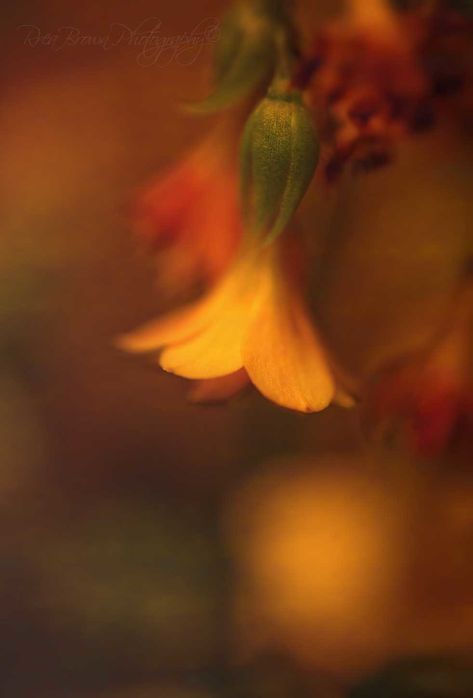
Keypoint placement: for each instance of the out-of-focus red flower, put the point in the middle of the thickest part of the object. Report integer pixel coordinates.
(429, 399)
(433, 406)
(190, 215)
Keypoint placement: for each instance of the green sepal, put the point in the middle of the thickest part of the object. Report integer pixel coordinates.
(244, 58)
(279, 156)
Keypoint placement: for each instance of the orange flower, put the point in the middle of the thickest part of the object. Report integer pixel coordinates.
(254, 323)
(190, 216)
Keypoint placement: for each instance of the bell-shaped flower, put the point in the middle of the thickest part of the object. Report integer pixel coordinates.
(254, 322)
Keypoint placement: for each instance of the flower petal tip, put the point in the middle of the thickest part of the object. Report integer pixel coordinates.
(125, 343)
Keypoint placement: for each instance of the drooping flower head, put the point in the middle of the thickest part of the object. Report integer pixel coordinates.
(255, 321)
(362, 87)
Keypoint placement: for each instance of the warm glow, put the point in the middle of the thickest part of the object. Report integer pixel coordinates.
(371, 13)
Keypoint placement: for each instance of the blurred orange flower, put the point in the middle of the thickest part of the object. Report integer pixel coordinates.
(190, 216)
(431, 396)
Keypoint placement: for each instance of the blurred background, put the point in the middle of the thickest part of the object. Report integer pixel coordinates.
(150, 547)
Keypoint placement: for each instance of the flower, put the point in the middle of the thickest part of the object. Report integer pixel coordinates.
(253, 323)
(369, 76)
(367, 86)
(430, 397)
(190, 216)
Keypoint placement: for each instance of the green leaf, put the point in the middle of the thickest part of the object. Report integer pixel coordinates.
(229, 46)
(244, 58)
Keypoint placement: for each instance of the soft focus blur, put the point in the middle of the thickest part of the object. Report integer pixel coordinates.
(150, 547)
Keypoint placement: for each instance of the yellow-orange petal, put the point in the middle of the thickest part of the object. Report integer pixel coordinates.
(174, 327)
(283, 355)
(187, 322)
(221, 389)
(215, 350)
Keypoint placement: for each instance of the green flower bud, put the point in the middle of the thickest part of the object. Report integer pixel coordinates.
(279, 156)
